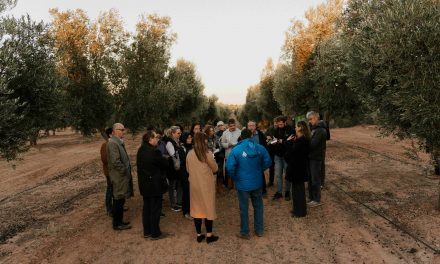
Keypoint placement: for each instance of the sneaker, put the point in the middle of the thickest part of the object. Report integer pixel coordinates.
(244, 236)
(188, 216)
(176, 209)
(277, 196)
(210, 239)
(259, 234)
(287, 196)
(313, 204)
(200, 238)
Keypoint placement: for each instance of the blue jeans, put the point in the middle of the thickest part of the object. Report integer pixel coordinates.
(315, 180)
(257, 202)
(109, 196)
(280, 170)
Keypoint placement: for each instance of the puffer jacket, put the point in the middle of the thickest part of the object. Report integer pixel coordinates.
(246, 163)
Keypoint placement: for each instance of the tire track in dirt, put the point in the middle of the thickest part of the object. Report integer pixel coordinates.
(31, 207)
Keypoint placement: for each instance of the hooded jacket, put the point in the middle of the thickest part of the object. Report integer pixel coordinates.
(246, 163)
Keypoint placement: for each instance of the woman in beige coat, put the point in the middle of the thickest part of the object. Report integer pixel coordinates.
(201, 167)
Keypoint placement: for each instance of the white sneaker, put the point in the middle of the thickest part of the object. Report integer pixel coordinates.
(313, 204)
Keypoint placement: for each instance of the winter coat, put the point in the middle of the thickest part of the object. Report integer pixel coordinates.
(202, 185)
(297, 158)
(246, 163)
(151, 169)
(104, 158)
(318, 142)
(119, 169)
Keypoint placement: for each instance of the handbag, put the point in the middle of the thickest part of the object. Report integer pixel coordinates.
(176, 161)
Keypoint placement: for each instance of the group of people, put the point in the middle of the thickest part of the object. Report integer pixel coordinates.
(191, 166)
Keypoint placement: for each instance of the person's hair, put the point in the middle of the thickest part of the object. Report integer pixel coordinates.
(280, 118)
(245, 134)
(194, 125)
(167, 132)
(251, 121)
(200, 146)
(108, 131)
(148, 135)
(207, 128)
(231, 121)
(312, 113)
(304, 128)
(115, 125)
(174, 129)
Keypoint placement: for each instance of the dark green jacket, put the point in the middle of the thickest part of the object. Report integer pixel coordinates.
(151, 169)
(119, 169)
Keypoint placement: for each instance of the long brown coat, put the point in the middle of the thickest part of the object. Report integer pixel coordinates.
(202, 185)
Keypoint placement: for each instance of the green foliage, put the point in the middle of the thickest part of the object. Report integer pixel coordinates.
(396, 61)
(30, 86)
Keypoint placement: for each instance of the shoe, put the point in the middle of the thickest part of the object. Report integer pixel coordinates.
(270, 184)
(259, 234)
(176, 209)
(313, 204)
(147, 236)
(200, 238)
(126, 223)
(287, 196)
(162, 215)
(179, 205)
(210, 239)
(277, 196)
(244, 236)
(121, 227)
(188, 216)
(161, 236)
(126, 208)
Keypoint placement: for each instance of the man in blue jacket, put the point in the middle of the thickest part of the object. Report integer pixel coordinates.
(245, 164)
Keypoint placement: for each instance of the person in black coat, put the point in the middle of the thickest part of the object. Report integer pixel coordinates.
(297, 158)
(151, 168)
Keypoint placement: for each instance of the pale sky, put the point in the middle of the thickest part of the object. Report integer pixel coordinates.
(228, 40)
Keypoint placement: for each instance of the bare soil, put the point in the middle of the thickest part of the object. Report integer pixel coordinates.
(52, 211)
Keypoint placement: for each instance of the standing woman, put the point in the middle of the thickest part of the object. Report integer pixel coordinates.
(201, 167)
(212, 144)
(175, 151)
(187, 141)
(151, 167)
(297, 167)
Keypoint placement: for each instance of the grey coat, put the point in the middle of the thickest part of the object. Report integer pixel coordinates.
(119, 169)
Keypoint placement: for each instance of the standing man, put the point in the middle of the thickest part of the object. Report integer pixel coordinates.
(220, 154)
(270, 148)
(258, 138)
(280, 135)
(246, 162)
(120, 175)
(229, 140)
(104, 159)
(316, 157)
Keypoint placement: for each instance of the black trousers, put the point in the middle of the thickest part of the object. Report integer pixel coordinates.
(272, 170)
(151, 215)
(208, 225)
(185, 196)
(299, 199)
(323, 171)
(118, 211)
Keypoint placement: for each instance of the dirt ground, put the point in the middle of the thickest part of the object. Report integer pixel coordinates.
(52, 211)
